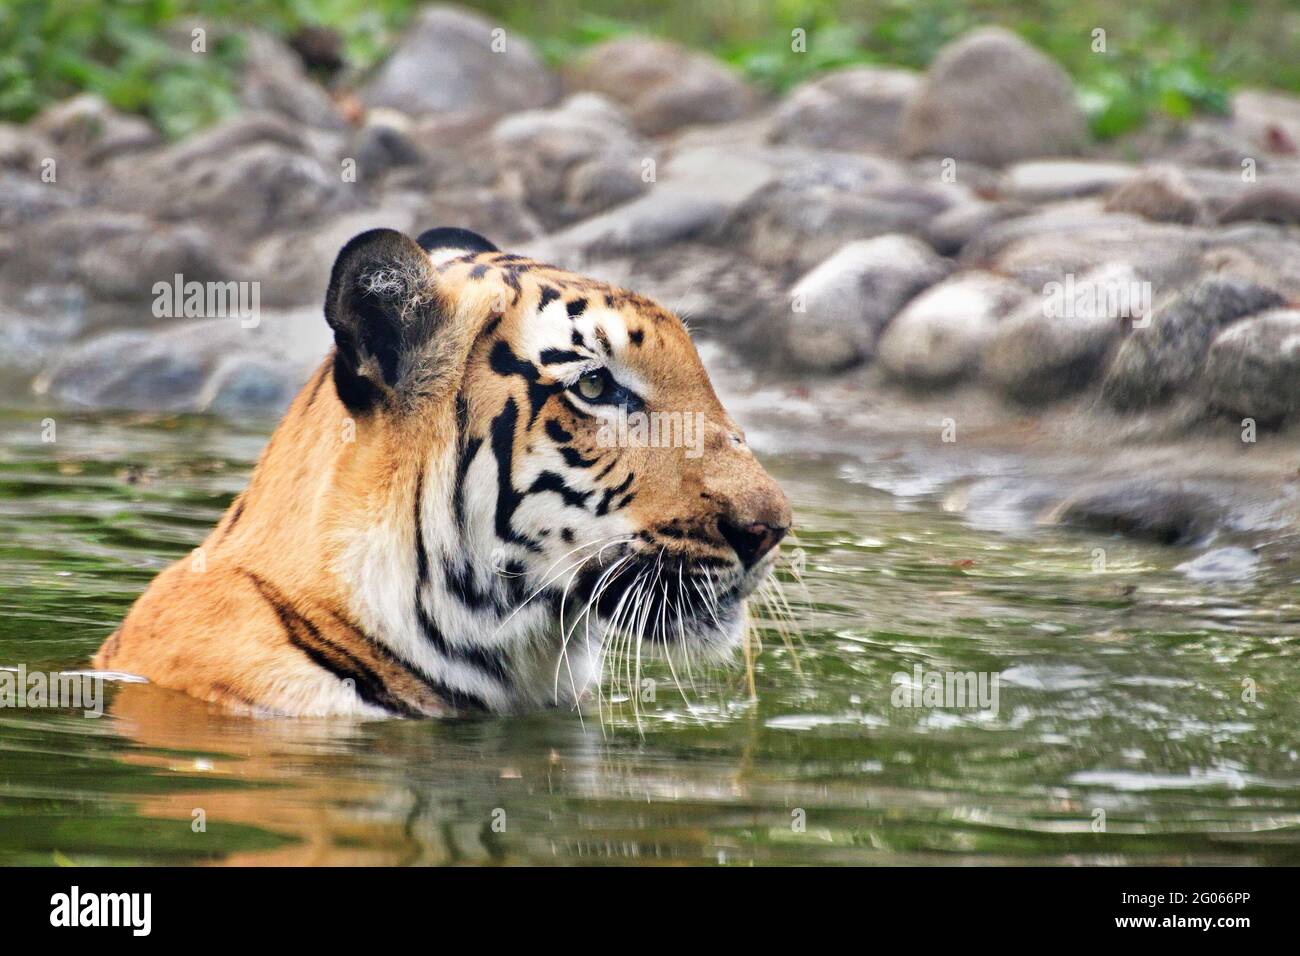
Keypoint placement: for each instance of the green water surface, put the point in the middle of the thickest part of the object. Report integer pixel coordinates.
(1144, 716)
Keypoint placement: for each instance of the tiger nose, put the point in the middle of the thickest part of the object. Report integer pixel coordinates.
(752, 541)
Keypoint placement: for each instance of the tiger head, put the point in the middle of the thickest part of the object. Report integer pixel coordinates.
(576, 478)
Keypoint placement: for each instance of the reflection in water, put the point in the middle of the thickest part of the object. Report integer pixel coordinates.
(1146, 711)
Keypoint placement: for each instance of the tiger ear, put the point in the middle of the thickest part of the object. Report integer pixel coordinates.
(386, 313)
(453, 241)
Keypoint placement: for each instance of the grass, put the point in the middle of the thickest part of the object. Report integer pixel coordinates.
(1162, 57)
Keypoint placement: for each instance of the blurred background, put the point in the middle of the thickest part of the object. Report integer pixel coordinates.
(1170, 58)
(1005, 295)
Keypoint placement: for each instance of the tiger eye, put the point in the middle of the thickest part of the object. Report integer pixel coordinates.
(591, 386)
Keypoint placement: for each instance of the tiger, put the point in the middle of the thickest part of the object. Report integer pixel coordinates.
(448, 519)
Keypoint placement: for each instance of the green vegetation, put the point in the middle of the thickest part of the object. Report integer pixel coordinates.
(1163, 57)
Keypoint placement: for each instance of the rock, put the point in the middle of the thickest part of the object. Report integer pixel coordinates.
(1266, 254)
(114, 256)
(220, 141)
(696, 191)
(192, 365)
(383, 144)
(27, 341)
(1222, 564)
(1162, 358)
(24, 198)
(992, 98)
(571, 162)
(273, 80)
(719, 292)
(1054, 179)
(454, 146)
(1056, 343)
(25, 150)
(663, 86)
(1074, 237)
(258, 189)
(939, 335)
(1268, 119)
(817, 201)
(838, 309)
(447, 62)
(951, 230)
(1160, 194)
(1253, 367)
(858, 108)
(1266, 203)
(256, 171)
(87, 126)
(1166, 512)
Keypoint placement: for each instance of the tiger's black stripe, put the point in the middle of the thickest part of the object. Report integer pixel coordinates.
(612, 493)
(234, 519)
(550, 481)
(459, 699)
(561, 356)
(324, 653)
(482, 658)
(508, 499)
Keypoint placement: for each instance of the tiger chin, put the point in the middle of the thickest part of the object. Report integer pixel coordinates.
(441, 523)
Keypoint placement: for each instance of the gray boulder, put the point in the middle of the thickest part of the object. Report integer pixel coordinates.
(112, 256)
(261, 188)
(1056, 343)
(273, 80)
(383, 144)
(24, 198)
(446, 62)
(1267, 254)
(1074, 237)
(1165, 512)
(718, 291)
(1160, 194)
(253, 171)
(858, 108)
(818, 201)
(1269, 202)
(1167, 355)
(573, 161)
(1049, 180)
(837, 310)
(951, 230)
(25, 149)
(938, 337)
(696, 191)
(664, 86)
(192, 365)
(28, 340)
(1253, 367)
(992, 98)
(88, 127)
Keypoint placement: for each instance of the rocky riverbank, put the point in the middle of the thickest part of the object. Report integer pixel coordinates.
(878, 235)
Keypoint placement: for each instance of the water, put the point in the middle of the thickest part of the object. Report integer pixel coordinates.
(1124, 731)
